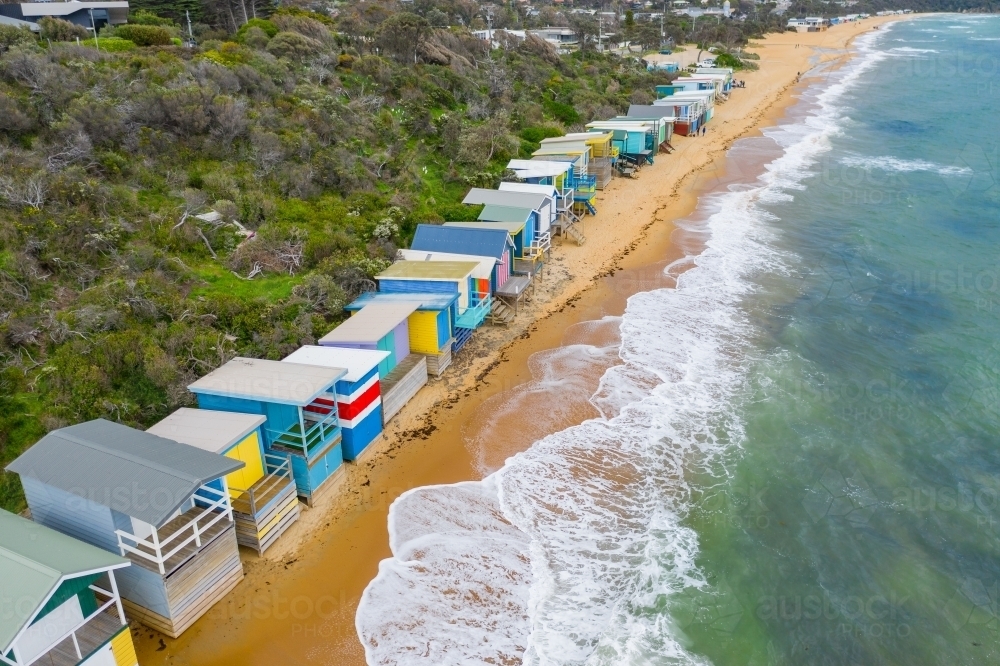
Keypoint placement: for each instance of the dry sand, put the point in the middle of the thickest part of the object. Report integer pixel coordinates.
(297, 603)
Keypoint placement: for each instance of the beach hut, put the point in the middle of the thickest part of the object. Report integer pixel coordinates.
(262, 493)
(296, 400)
(161, 504)
(482, 275)
(526, 262)
(381, 326)
(688, 113)
(584, 185)
(447, 277)
(544, 205)
(661, 117)
(494, 243)
(531, 245)
(60, 599)
(359, 394)
(602, 153)
(635, 139)
(431, 326)
(560, 175)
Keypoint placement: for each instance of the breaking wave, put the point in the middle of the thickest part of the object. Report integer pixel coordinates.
(571, 552)
(886, 163)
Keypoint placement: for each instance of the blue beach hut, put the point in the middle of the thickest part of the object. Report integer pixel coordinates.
(297, 401)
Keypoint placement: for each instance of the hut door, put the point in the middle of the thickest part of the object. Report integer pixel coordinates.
(247, 451)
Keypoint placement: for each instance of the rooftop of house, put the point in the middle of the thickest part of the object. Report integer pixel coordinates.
(429, 270)
(372, 322)
(357, 362)
(207, 429)
(268, 381)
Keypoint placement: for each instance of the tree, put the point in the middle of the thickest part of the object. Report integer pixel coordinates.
(58, 30)
(586, 29)
(401, 35)
(628, 30)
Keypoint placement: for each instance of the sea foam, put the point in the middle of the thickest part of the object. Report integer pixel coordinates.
(572, 550)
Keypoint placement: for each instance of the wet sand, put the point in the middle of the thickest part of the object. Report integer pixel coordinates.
(297, 603)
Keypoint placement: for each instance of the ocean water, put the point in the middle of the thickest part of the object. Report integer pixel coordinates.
(797, 458)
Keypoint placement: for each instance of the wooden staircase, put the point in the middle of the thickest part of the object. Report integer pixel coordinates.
(502, 314)
(572, 231)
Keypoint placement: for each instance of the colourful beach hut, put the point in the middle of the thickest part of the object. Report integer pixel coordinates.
(602, 153)
(447, 277)
(359, 394)
(482, 276)
(544, 205)
(381, 326)
(431, 326)
(516, 230)
(494, 243)
(60, 599)
(515, 215)
(161, 504)
(262, 493)
(559, 174)
(296, 400)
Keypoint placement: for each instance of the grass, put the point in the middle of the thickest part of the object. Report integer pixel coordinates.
(220, 280)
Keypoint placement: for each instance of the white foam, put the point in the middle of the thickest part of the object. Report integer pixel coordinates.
(554, 558)
(887, 163)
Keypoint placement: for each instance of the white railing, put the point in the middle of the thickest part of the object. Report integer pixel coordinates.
(158, 557)
(113, 600)
(279, 472)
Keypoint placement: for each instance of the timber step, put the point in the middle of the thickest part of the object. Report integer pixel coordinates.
(573, 232)
(502, 314)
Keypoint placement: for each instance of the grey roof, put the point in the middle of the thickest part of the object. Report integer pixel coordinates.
(643, 111)
(34, 560)
(207, 429)
(18, 23)
(371, 323)
(128, 470)
(268, 381)
(531, 200)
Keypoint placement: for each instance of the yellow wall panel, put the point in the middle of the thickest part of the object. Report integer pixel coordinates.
(123, 650)
(249, 452)
(423, 332)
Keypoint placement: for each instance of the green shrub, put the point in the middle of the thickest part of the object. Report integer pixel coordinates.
(561, 111)
(146, 17)
(293, 45)
(110, 44)
(12, 36)
(728, 60)
(269, 28)
(144, 35)
(58, 30)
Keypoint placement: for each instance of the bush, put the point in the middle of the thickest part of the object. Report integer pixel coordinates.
(144, 35)
(728, 60)
(293, 45)
(58, 30)
(12, 36)
(269, 28)
(146, 17)
(110, 44)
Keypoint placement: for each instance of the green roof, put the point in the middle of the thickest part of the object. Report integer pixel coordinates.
(497, 213)
(34, 561)
(429, 270)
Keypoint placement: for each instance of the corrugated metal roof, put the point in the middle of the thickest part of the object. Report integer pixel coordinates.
(207, 429)
(423, 301)
(484, 265)
(532, 200)
(371, 323)
(268, 381)
(481, 242)
(34, 560)
(358, 362)
(509, 227)
(429, 270)
(128, 470)
(494, 213)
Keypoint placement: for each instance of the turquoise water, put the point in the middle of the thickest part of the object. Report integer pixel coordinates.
(860, 521)
(797, 457)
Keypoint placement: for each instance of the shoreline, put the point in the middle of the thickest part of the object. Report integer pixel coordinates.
(297, 602)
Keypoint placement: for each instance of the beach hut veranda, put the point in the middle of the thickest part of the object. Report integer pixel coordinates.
(359, 394)
(295, 399)
(262, 493)
(161, 504)
(61, 599)
(431, 325)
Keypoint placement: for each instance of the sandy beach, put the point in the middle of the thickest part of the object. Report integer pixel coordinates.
(297, 603)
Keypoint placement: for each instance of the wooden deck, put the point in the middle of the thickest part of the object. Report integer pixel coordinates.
(402, 383)
(436, 363)
(514, 291)
(180, 523)
(94, 634)
(277, 507)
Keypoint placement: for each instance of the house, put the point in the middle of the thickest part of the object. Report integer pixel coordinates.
(431, 326)
(602, 153)
(454, 277)
(494, 243)
(90, 15)
(564, 39)
(660, 116)
(543, 204)
(163, 505)
(262, 493)
(385, 327)
(296, 400)
(60, 599)
(359, 393)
